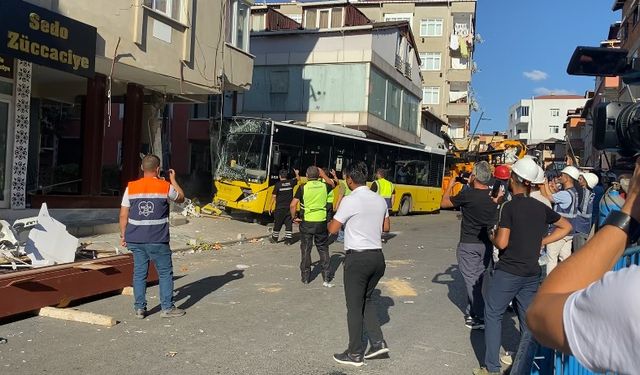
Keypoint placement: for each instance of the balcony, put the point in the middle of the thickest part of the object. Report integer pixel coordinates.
(459, 75)
(399, 63)
(407, 70)
(458, 110)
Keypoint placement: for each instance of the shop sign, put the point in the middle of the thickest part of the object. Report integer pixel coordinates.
(6, 66)
(43, 37)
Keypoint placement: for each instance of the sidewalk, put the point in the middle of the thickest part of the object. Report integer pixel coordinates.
(222, 230)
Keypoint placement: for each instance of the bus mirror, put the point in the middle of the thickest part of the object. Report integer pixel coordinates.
(276, 158)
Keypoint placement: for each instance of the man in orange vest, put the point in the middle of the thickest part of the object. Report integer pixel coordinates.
(144, 229)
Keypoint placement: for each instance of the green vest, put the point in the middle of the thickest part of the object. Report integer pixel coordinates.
(315, 201)
(385, 188)
(347, 191)
(330, 197)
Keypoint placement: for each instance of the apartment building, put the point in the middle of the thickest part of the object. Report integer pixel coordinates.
(337, 67)
(541, 118)
(445, 39)
(86, 87)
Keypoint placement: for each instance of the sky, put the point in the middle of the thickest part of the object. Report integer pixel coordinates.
(527, 46)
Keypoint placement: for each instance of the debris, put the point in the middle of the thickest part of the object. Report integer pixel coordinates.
(210, 209)
(50, 243)
(408, 302)
(289, 334)
(192, 242)
(78, 316)
(241, 237)
(242, 266)
(184, 269)
(255, 240)
(171, 354)
(3, 340)
(127, 291)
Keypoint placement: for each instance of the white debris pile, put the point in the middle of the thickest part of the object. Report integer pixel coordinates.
(49, 242)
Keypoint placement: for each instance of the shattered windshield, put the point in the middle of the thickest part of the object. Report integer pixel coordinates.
(245, 151)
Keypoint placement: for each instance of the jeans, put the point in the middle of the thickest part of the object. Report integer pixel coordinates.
(160, 254)
(524, 357)
(500, 289)
(362, 271)
(473, 259)
(311, 232)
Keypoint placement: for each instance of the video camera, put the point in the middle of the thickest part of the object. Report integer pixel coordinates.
(616, 125)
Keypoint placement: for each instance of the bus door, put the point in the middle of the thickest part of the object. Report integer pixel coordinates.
(286, 157)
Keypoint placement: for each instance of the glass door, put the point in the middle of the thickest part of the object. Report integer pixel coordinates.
(5, 161)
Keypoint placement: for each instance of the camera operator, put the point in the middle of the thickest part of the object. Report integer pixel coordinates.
(584, 309)
(479, 214)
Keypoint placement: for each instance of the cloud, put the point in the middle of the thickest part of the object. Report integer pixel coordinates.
(536, 75)
(546, 91)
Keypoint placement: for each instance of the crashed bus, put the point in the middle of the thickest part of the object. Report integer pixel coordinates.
(254, 150)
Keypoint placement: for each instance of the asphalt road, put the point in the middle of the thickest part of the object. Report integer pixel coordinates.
(263, 320)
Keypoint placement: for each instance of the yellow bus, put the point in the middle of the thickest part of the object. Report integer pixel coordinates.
(254, 150)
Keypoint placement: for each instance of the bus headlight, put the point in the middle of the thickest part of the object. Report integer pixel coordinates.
(250, 198)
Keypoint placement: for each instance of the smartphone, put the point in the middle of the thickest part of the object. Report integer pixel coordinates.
(496, 189)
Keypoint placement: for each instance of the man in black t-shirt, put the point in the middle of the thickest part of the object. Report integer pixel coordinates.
(522, 231)
(281, 199)
(479, 215)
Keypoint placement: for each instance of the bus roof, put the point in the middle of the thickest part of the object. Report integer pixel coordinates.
(317, 129)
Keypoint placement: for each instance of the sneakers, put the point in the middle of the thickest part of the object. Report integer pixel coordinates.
(484, 371)
(327, 284)
(349, 359)
(304, 279)
(273, 239)
(173, 312)
(377, 349)
(288, 241)
(473, 323)
(507, 359)
(141, 313)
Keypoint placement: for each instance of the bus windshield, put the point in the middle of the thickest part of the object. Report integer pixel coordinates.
(246, 151)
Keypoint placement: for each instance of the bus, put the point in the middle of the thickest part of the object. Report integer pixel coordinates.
(254, 150)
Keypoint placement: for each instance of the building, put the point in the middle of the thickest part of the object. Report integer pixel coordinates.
(541, 118)
(337, 67)
(445, 40)
(85, 89)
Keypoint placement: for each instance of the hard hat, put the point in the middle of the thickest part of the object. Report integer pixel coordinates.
(502, 172)
(591, 179)
(539, 177)
(526, 168)
(571, 171)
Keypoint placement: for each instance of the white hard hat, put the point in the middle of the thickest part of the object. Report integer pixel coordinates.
(591, 178)
(526, 168)
(539, 177)
(571, 171)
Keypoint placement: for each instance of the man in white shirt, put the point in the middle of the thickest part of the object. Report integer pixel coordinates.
(365, 216)
(584, 309)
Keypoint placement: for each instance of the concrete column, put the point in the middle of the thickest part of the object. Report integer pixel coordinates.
(131, 133)
(21, 135)
(93, 135)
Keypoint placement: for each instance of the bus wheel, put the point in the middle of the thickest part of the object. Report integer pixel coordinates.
(405, 206)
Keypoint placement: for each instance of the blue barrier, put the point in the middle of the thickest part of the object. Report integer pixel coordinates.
(549, 362)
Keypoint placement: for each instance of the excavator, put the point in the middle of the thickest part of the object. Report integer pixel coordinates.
(460, 161)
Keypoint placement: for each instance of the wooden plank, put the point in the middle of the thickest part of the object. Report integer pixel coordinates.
(78, 316)
(92, 266)
(127, 291)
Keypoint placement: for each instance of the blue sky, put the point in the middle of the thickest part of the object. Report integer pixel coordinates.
(526, 49)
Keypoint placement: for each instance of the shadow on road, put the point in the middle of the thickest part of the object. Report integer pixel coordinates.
(452, 278)
(197, 290)
(334, 262)
(384, 303)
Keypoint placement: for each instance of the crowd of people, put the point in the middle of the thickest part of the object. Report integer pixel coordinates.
(519, 225)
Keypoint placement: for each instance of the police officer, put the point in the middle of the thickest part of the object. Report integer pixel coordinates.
(384, 187)
(312, 197)
(144, 229)
(281, 199)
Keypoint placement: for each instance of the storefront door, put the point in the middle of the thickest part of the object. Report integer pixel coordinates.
(6, 147)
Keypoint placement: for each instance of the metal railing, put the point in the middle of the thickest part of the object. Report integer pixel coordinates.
(549, 362)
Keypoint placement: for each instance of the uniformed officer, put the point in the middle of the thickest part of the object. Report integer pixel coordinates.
(312, 196)
(384, 187)
(144, 229)
(281, 199)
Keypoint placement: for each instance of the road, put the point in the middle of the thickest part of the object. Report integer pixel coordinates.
(263, 320)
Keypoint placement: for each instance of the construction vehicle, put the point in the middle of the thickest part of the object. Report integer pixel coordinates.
(460, 162)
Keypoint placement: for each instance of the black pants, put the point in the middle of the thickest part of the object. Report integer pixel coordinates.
(311, 232)
(329, 212)
(282, 217)
(362, 271)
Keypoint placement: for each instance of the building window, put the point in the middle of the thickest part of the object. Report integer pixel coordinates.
(431, 27)
(522, 111)
(431, 61)
(323, 18)
(257, 22)
(296, 17)
(209, 109)
(170, 8)
(237, 24)
(554, 129)
(431, 95)
(555, 112)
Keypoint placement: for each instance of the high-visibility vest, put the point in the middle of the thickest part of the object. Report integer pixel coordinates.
(314, 198)
(385, 188)
(148, 220)
(571, 212)
(347, 191)
(330, 197)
